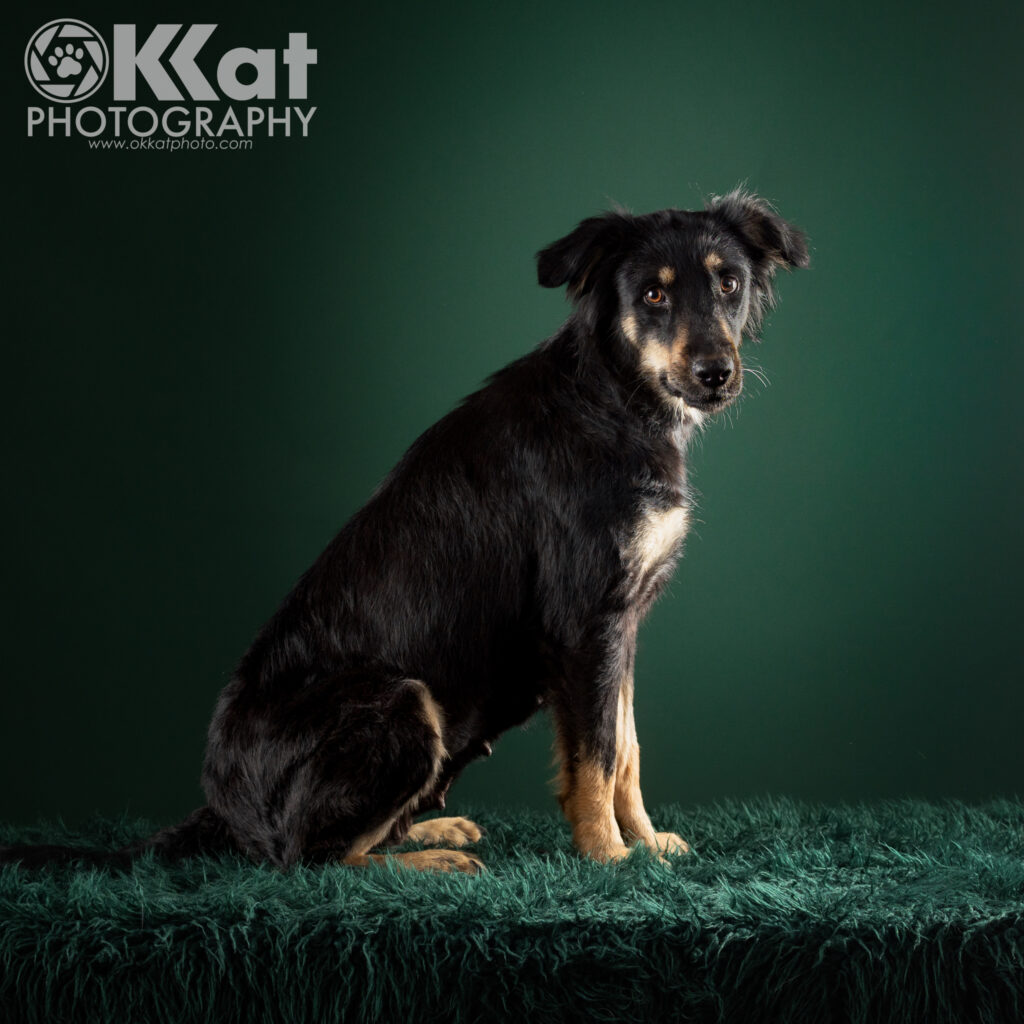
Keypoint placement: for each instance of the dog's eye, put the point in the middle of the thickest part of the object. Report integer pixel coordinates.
(730, 283)
(655, 297)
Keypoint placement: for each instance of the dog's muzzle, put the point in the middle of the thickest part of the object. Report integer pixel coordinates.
(709, 383)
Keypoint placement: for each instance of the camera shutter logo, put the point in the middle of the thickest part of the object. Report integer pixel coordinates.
(66, 60)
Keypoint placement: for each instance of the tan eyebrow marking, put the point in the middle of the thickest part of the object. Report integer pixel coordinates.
(666, 275)
(713, 261)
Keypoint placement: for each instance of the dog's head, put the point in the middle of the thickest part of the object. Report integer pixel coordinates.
(677, 290)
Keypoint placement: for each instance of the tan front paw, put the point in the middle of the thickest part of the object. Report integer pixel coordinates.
(605, 854)
(669, 842)
(449, 831)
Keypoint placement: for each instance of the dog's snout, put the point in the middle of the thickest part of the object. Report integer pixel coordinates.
(713, 372)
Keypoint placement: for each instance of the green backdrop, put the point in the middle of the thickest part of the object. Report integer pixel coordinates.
(213, 357)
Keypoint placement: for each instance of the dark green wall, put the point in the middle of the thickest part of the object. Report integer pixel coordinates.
(212, 359)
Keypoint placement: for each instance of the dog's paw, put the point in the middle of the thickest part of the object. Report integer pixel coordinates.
(449, 831)
(670, 843)
(607, 854)
(440, 860)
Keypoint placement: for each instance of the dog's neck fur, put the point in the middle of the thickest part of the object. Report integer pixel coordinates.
(606, 355)
(608, 380)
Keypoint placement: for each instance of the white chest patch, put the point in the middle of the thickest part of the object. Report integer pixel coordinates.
(656, 538)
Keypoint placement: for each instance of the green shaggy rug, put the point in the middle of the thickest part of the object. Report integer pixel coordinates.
(905, 911)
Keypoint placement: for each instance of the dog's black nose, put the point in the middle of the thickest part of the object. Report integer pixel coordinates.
(713, 373)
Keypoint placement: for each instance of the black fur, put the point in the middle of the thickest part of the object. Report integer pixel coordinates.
(490, 565)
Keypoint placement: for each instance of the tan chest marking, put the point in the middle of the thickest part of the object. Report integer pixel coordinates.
(656, 538)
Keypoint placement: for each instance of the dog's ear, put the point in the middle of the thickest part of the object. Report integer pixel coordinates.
(767, 237)
(574, 259)
(770, 243)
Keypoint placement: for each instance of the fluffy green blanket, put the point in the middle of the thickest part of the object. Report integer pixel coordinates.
(904, 911)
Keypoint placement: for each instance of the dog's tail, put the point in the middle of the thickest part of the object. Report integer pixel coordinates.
(203, 831)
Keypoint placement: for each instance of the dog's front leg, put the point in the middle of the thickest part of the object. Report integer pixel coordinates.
(587, 795)
(629, 803)
(598, 753)
(630, 814)
(593, 729)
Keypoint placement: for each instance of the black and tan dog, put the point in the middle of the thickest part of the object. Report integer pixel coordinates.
(503, 565)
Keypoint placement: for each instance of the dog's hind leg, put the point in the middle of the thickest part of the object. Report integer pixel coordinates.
(447, 831)
(387, 819)
(330, 774)
(422, 860)
(452, 831)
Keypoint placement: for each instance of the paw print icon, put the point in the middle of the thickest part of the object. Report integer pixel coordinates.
(66, 64)
(66, 60)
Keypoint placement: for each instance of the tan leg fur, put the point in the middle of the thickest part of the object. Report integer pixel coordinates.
(587, 798)
(629, 804)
